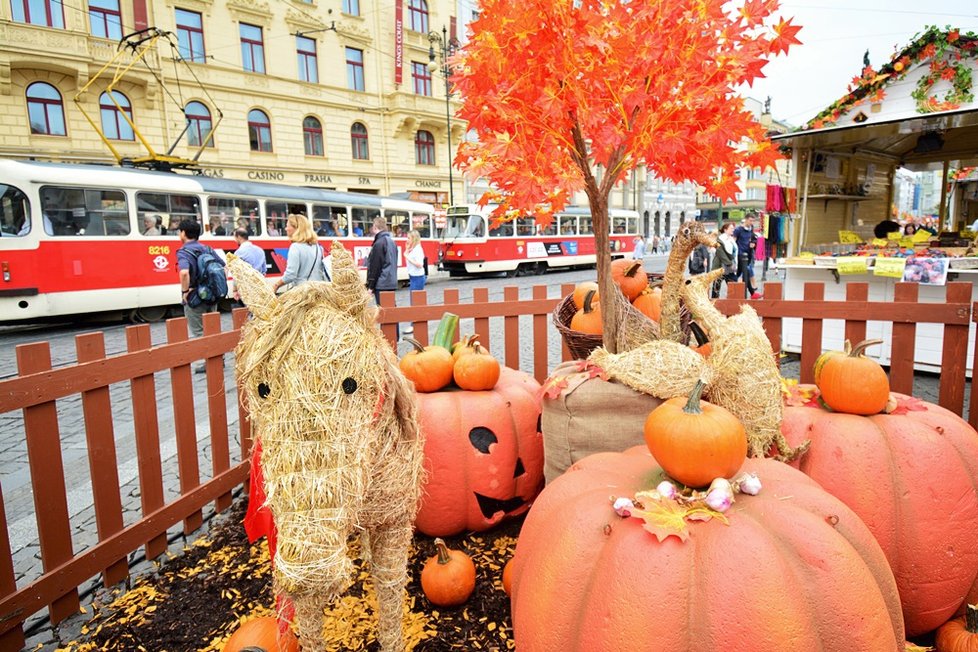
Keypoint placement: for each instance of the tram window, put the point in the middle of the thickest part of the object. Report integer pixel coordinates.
(324, 221)
(633, 225)
(587, 225)
(225, 214)
(550, 229)
(619, 225)
(15, 212)
(568, 225)
(502, 230)
(399, 223)
(166, 210)
(524, 226)
(84, 212)
(421, 222)
(363, 220)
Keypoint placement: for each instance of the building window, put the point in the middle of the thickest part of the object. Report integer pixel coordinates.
(45, 110)
(39, 12)
(354, 69)
(358, 139)
(422, 78)
(312, 136)
(105, 18)
(424, 148)
(198, 124)
(351, 7)
(418, 13)
(114, 124)
(252, 48)
(259, 131)
(306, 50)
(190, 35)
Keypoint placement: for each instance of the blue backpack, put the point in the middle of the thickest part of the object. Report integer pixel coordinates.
(212, 282)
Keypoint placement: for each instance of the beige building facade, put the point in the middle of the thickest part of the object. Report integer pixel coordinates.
(326, 93)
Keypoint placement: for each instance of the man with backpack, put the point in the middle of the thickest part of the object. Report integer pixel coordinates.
(202, 279)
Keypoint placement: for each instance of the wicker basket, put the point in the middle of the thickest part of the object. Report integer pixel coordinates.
(579, 344)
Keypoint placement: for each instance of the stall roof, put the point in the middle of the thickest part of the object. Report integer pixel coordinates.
(916, 111)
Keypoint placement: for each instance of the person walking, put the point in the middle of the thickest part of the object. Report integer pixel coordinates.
(639, 252)
(414, 255)
(305, 257)
(746, 241)
(187, 255)
(726, 257)
(382, 260)
(699, 260)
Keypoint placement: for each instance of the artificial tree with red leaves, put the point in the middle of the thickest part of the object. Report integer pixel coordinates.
(567, 95)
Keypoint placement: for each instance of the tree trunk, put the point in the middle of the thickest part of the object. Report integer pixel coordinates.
(606, 287)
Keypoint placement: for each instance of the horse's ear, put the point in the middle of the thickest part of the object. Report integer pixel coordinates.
(349, 293)
(254, 291)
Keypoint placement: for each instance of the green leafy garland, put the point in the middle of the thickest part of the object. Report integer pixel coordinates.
(960, 77)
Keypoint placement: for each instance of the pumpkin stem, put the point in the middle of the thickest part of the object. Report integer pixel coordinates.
(587, 301)
(693, 405)
(632, 269)
(444, 554)
(698, 333)
(971, 618)
(415, 343)
(862, 346)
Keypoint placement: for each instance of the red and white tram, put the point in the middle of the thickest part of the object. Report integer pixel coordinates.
(469, 246)
(77, 239)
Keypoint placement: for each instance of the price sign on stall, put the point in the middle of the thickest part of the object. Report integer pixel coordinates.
(892, 267)
(851, 265)
(849, 237)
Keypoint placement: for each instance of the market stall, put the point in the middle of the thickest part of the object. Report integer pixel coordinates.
(917, 112)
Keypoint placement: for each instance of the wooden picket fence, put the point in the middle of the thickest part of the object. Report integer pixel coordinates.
(37, 387)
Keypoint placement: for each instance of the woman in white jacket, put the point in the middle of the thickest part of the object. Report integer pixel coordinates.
(414, 255)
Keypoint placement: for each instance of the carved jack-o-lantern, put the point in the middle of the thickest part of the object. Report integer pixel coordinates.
(483, 455)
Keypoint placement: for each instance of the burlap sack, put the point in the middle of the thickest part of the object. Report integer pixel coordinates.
(589, 416)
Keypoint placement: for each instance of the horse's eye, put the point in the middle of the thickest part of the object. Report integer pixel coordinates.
(349, 385)
(264, 390)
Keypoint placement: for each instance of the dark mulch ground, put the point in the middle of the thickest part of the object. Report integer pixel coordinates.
(197, 599)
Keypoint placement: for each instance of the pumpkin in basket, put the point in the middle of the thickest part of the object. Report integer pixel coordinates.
(483, 454)
(629, 275)
(795, 569)
(588, 318)
(581, 290)
(649, 303)
(912, 476)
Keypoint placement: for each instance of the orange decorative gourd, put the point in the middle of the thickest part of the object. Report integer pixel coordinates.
(960, 634)
(508, 577)
(261, 634)
(795, 569)
(588, 318)
(448, 577)
(581, 290)
(428, 367)
(629, 275)
(695, 441)
(483, 455)
(913, 479)
(850, 382)
(649, 303)
(478, 370)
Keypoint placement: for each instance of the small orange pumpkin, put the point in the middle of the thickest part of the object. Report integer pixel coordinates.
(448, 577)
(508, 577)
(959, 634)
(261, 634)
(851, 383)
(581, 290)
(588, 318)
(628, 275)
(464, 346)
(428, 367)
(477, 370)
(695, 441)
(649, 303)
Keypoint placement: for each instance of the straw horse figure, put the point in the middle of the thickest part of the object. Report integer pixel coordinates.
(341, 451)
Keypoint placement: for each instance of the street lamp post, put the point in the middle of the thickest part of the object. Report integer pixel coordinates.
(446, 48)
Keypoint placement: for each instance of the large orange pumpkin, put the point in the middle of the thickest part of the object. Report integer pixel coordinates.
(483, 455)
(960, 634)
(261, 634)
(695, 441)
(913, 479)
(850, 382)
(629, 275)
(794, 570)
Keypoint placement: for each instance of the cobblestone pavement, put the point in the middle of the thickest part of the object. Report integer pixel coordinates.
(14, 471)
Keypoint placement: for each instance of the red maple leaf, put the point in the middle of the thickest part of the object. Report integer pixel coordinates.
(907, 404)
(785, 36)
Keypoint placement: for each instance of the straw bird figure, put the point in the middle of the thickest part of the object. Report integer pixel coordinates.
(690, 235)
(341, 450)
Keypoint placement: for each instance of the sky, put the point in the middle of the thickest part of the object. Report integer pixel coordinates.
(835, 34)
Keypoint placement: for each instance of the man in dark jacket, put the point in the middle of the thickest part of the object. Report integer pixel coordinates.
(746, 242)
(382, 261)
